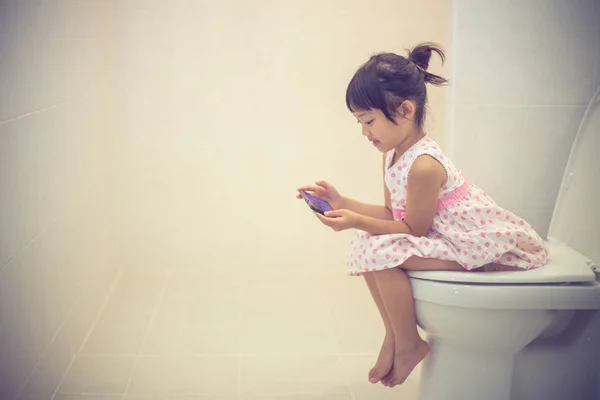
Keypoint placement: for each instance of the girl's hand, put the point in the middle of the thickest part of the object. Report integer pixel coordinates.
(324, 191)
(339, 220)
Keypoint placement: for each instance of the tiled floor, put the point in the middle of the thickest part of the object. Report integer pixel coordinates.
(191, 334)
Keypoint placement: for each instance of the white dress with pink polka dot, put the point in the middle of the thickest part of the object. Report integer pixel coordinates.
(468, 227)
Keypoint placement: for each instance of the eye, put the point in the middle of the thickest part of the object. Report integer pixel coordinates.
(369, 122)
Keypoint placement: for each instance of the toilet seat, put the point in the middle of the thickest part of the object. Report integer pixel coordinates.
(567, 296)
(564, 265)
(567, 282)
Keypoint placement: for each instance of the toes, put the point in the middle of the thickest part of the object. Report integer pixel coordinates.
(390, 383)
(375, 375)
(372, 378)
(388, 378)
(394, 382)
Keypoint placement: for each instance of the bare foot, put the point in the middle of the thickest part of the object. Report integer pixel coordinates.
(385, 360)
(404, 363)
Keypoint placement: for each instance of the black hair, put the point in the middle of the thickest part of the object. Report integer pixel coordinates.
(388, 79)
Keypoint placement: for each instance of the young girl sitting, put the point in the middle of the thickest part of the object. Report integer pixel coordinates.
(433, 218)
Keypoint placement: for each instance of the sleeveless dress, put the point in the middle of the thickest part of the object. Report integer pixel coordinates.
(468, 227)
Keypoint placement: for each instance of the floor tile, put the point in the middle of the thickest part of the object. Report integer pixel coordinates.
(182, 397)
(169, 375)
(279, 318)
(88, 397)
(97, 374)
(124, 322)
(298, 397)
(292, 375)
(197, 315)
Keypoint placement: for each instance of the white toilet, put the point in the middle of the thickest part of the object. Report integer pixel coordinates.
(524, 335)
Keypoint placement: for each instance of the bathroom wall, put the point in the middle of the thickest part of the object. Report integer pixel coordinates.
(523, 73)
(225, 107)
(55, 164)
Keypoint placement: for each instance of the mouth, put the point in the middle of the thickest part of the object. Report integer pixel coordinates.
(375, 142)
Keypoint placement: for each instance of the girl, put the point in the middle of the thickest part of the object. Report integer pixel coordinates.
(433, 218)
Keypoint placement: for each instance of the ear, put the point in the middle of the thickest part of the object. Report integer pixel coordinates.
(407, 109)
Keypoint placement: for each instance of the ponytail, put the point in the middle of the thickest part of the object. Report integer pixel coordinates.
(420, 55)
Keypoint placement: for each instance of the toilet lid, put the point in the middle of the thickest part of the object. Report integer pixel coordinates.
(564, 265)
(576, 217)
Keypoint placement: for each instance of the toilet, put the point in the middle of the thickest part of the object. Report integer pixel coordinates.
(524, 335)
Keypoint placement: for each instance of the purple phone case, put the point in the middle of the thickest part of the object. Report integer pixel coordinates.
(319, 204)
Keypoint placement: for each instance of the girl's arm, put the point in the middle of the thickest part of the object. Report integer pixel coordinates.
(425, 178)
(368, 210)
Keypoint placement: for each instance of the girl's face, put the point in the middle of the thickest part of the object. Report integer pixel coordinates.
(383, 133)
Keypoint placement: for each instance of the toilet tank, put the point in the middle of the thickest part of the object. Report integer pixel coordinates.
(576, 217)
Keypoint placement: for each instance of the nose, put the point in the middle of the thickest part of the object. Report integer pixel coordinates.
(365, 131)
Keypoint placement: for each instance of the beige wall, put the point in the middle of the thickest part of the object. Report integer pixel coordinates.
(507, 115)
(220, 110)
(55, 139)
(225, 107)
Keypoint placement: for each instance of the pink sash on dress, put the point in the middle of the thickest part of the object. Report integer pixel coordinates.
(447, 201)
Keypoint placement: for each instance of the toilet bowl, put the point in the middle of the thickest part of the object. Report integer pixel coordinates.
(524, 335)
(492, 333)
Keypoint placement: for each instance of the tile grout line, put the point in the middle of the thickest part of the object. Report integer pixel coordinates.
(285, 395)
(449, 138)
(202, 395)
(329, 318)
(489, 105)
(159, 299)
(39, 361)
(596, 77)
(75, 99)
(111, 291)
(345, 371)
(95, 393)
(346, 376)
(34, 112)
(240, 335)
(32, 241)
(231, 355)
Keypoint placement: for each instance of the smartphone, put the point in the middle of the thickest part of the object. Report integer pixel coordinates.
(315, 204)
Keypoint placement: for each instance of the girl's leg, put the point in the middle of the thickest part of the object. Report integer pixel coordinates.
(396, 293)
(386, 357)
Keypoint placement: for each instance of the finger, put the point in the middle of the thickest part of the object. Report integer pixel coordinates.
(334, 214)
(314, 191)
(324, 184)
(299, 196)
(332, 223)
(323, 219)
(309, 188)
(320, 216)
